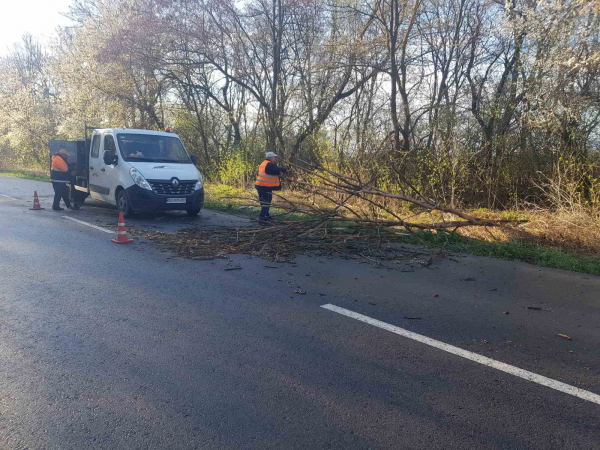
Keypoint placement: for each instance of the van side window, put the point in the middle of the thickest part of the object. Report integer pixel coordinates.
(109, 143)
(95, 146)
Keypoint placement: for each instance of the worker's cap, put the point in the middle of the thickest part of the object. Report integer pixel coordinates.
(62, 151)
(271, 155)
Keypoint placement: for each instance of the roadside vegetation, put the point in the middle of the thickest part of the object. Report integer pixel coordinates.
(558, 239)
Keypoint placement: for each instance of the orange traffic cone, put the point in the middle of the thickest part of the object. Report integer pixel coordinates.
(36, 202)
(122, 237)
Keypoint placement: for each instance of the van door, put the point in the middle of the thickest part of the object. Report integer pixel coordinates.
(95, 181)
(109, 173)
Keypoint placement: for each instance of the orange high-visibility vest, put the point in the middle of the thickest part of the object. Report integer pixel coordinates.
(264, 179)
(59, 164)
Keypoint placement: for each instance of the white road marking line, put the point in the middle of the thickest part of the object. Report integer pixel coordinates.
(530, 376)
(89, 224)
(9, 197)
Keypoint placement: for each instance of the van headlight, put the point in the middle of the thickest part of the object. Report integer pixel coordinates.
(139, 179)
(200, 182)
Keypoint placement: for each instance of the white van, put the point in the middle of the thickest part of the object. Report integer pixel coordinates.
(135, 170)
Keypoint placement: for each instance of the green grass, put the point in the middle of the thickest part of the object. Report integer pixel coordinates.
(230, 208)
(514, 251)
(215, 201)
(241, 209)
(25, 173)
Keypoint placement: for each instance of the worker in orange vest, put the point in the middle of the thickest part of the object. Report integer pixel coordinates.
(60, 176)
(267, 182)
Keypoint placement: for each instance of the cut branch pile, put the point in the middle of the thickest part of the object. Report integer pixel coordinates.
(283, 241)
(342, 191)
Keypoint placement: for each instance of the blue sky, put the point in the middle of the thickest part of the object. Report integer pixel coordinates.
(38, 17)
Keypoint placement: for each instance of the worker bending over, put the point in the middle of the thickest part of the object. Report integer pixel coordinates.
(267, 182)
(60, 176)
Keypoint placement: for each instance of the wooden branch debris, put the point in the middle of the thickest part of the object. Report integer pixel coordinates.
(284, 240)
(339, 190)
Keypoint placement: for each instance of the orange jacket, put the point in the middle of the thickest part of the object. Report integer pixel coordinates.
(59, 164)
(264, 179)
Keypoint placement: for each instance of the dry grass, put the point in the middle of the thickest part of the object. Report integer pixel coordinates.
(571, 231)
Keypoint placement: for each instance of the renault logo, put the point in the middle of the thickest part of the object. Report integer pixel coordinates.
(175, 183)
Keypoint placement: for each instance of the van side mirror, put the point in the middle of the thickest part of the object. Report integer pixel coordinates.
(110, 157)
(194, 159)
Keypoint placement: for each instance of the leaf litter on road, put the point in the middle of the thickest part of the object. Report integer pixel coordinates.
(283, 242)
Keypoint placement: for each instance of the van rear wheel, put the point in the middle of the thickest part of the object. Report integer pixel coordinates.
(123, 204)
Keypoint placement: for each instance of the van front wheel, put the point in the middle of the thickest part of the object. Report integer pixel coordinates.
(123, 204)
(192, 212)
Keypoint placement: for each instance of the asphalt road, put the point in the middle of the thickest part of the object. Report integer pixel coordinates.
(125, 347)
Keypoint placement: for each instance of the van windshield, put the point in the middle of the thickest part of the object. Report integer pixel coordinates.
(152, 148)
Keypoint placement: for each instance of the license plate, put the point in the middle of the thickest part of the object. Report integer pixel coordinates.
(176, 200)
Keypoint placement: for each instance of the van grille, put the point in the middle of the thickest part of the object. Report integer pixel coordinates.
(167, 188)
